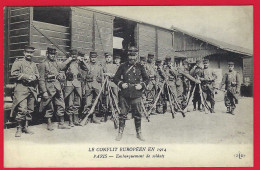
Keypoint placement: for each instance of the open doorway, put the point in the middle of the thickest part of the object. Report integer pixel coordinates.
(124, 37)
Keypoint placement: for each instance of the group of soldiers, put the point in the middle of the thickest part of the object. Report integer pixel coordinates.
(76, 85)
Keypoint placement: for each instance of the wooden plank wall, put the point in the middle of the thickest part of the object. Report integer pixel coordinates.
(146, 39)
(82, 30)
(56, 33)
(103, 25)
(165, 43)
(6, 49)
(19, 33)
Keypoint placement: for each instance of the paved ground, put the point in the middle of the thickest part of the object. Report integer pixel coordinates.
(196, 127)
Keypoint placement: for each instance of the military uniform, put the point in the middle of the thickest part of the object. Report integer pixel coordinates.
(50, 77)
(93, 83)
(161, 105)
(25, 93)
(72, 89)
(232, 83)
(208, 78)
(196, 72)
(150, 92)
(132, 75)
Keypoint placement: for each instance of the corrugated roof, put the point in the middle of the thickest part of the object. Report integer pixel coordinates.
(214, 42)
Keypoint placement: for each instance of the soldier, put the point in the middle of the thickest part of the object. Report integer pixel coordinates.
(170, 72)
(117, 60)
(93, 83)
(72, 89)
(232, 83)
(142, 60)
(50, 88)
(26, 75)
(131, 77)
(196, 72)
(110, 70)
(186, 81)
(85, 58)
(161, 105)
(207, 79)
(150, 92)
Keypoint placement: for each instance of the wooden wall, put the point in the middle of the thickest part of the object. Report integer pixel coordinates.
(146, 39)
(18, 33)
(248, 69)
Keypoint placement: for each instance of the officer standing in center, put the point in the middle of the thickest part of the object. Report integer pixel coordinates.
(132, 78)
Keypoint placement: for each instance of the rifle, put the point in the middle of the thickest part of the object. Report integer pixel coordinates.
(157, 98)
(203, 100)
(145, 112)
(112, 107)
(83, 122)
(170, 100)
(190, 95)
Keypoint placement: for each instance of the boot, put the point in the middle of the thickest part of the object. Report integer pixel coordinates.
(194, 106)
(95, 120)
(138, 129)
(212, 108)
(164, 108)
(76, 120)
(232, 111)
(26, 129)
(121, 129)
(19, 129)
(49, 125)
(62, 124)
(71, 121)
(228, 110)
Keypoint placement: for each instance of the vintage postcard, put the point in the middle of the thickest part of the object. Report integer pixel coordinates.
(128, 86)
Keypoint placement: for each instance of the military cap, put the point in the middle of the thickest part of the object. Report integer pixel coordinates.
(168, 58)
(150, 55)
(29, 49)
(132, 51)
(185, 62)
(81, 54)
(231, 63)
(93, 54)
(107, 54)
(51, 50)
(205, 61)
(142, 58)
(117, 56)
(73, 52)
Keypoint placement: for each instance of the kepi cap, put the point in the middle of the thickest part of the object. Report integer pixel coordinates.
(51, 50)
(29, 49)
(93, 54)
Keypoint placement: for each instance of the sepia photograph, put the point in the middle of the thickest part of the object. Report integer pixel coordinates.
(128, 86)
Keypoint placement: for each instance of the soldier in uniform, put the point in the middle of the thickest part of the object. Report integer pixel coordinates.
(196, 72)
(109, 71)
(93, 83)
(50, 88)
(232, 83)
(186, 81)
(161, 105)
(132, 78)
(117, 60)
(171, 73)
(25, 93)
(207, 79)
(150, 92)
(72, 89)
(142, 60)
